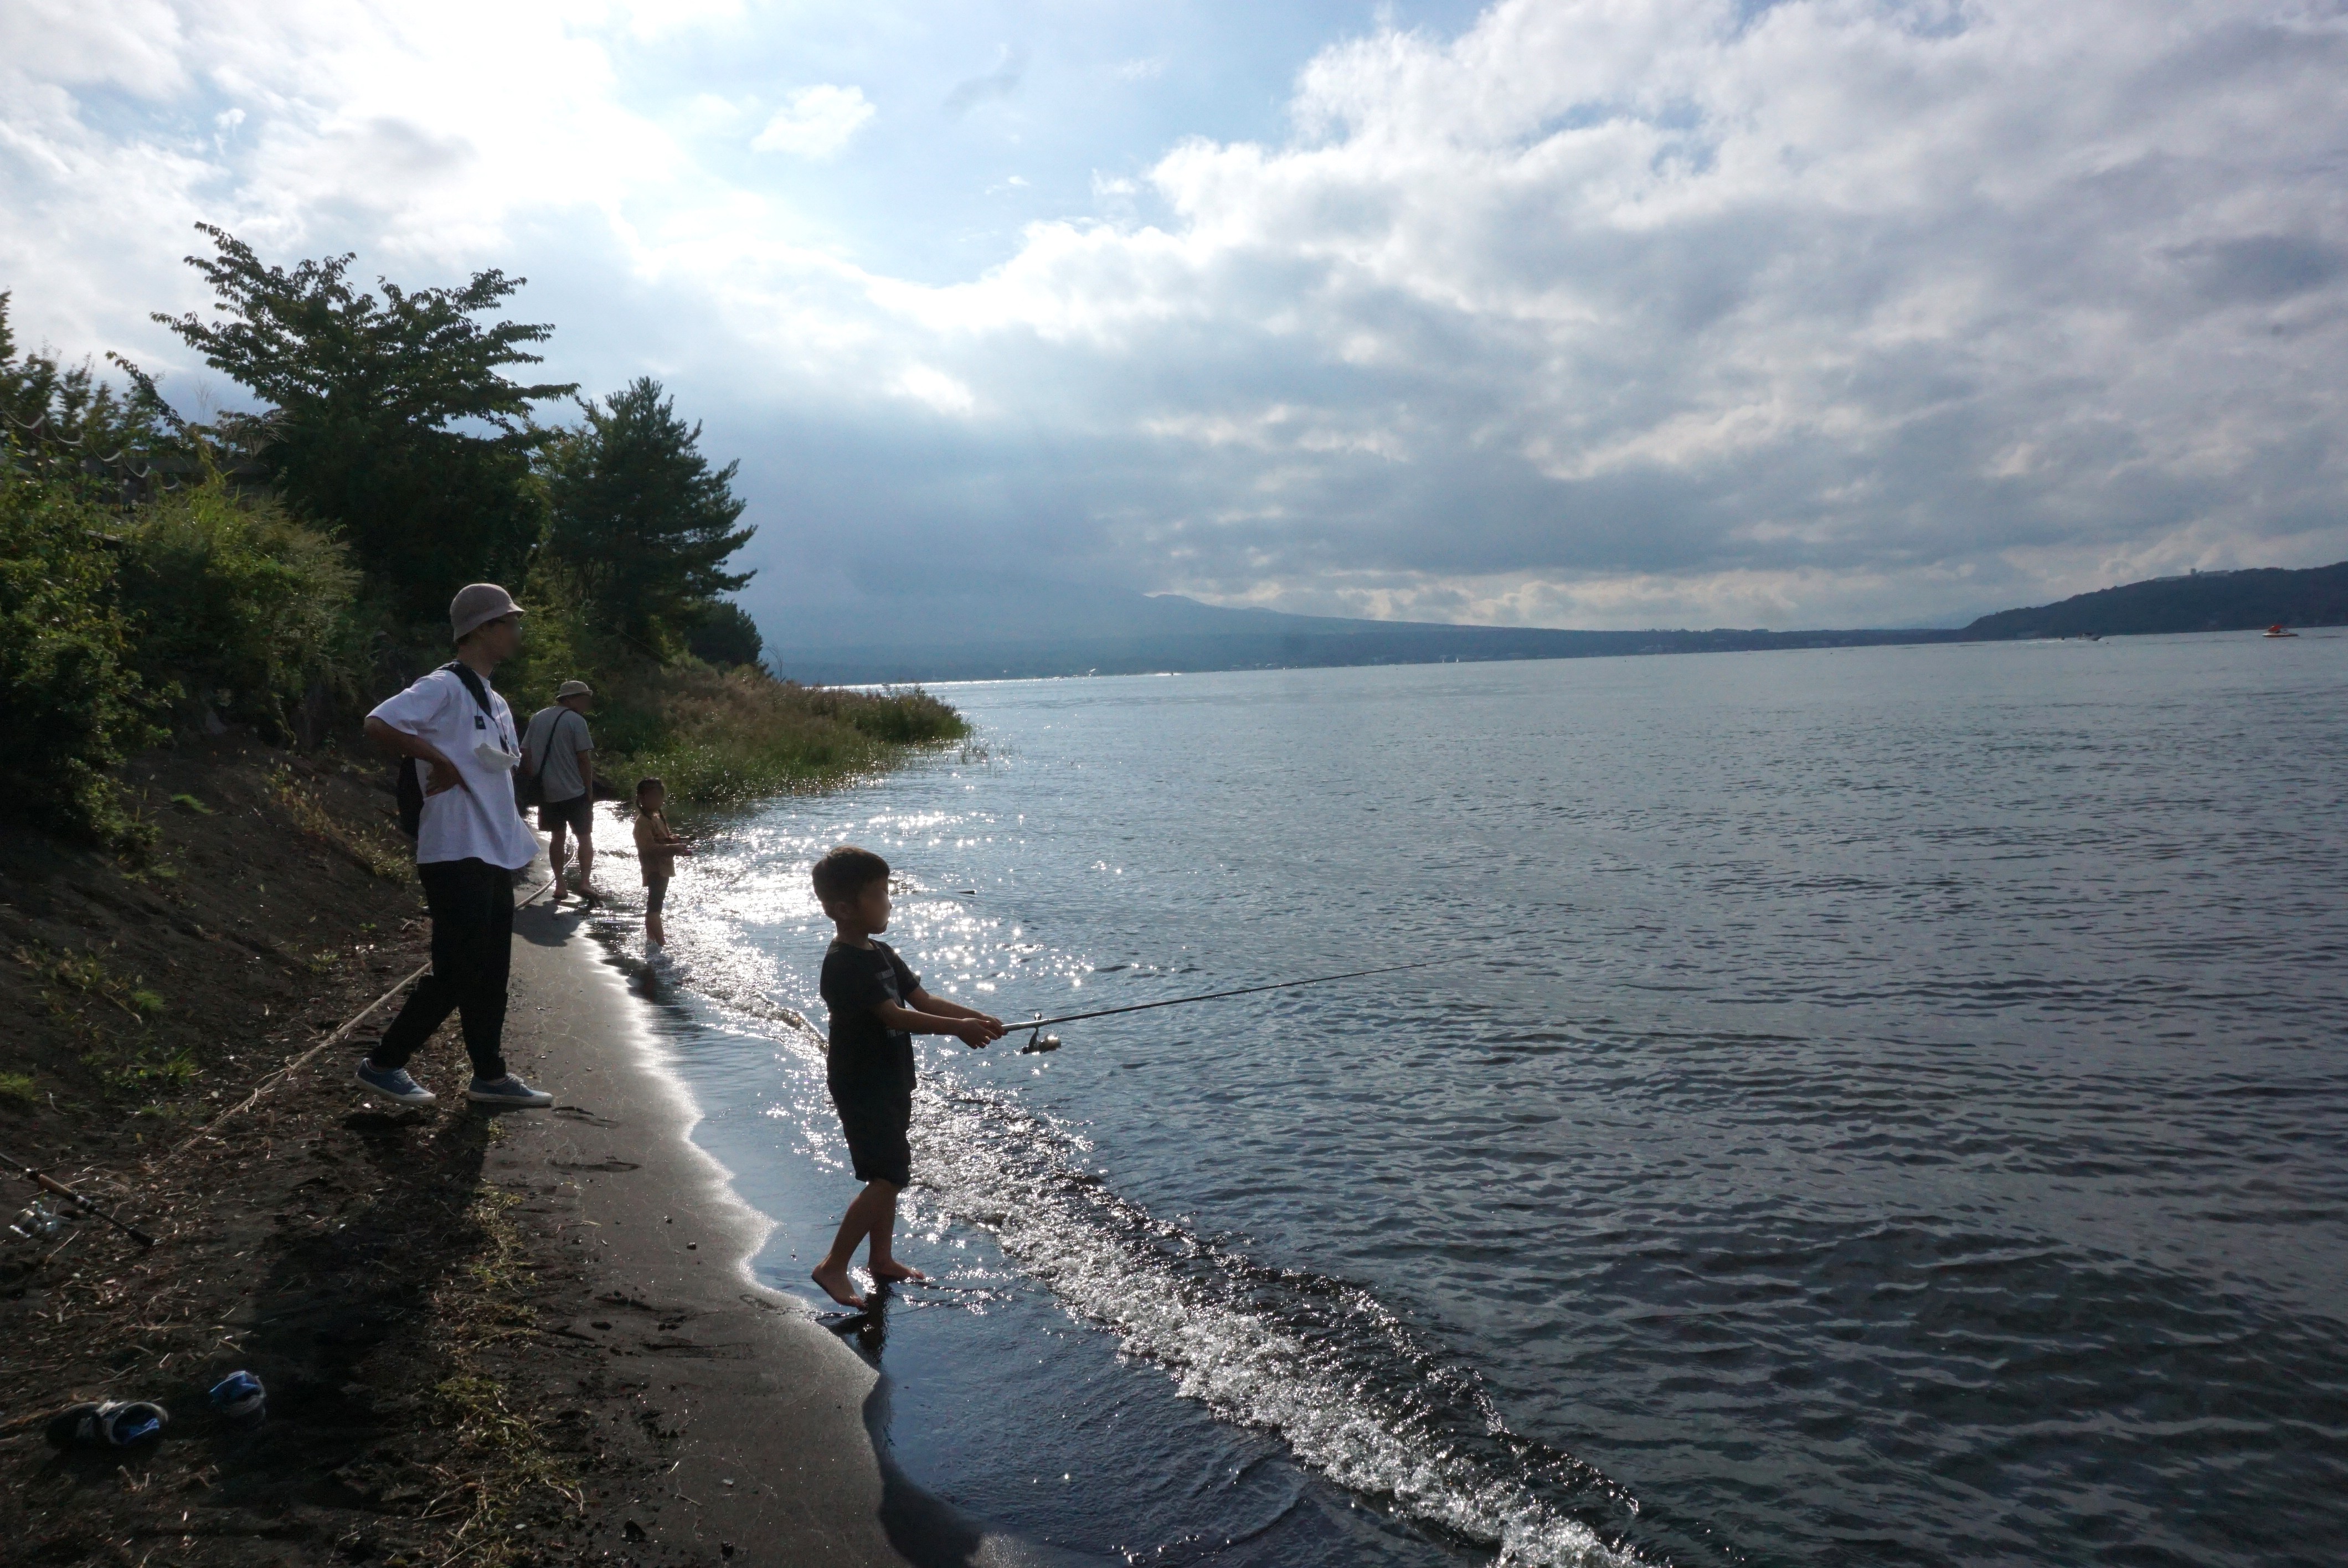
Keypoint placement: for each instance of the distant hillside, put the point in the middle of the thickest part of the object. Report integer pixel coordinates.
(1133, 634)
(1068, 630)
(2204, 601)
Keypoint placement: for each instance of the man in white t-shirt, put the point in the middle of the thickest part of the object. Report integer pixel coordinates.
(469, 841)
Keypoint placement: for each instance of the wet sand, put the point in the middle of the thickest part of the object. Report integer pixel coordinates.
(776, 1418)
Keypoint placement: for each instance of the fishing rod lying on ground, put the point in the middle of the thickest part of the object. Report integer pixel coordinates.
(56, 1188)
(1039, 1041)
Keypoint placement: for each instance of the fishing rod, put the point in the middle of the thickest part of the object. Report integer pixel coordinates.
(59, 1189)
(1039, 1041)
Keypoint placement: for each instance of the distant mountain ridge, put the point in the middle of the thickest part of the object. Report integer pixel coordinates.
(2202, 601)
(1071, 631)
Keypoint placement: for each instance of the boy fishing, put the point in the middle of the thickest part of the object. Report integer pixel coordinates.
(877, 1006)
(657, 848)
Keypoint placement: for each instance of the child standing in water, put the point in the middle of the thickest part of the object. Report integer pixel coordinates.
(877, 1006)
(657, 848)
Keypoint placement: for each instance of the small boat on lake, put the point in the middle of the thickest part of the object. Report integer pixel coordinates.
(2279, 630)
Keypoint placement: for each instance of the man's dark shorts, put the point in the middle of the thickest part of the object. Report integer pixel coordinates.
(876, 1117)
(578, 811)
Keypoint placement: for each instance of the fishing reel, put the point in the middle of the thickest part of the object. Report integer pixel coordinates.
(1038, 1043)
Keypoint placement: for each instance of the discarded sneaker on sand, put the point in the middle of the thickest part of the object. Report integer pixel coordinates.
(115, 1424)
(240, 1396)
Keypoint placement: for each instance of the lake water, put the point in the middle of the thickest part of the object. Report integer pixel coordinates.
(1875, 1106)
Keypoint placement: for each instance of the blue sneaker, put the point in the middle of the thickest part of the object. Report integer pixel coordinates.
(507, 1090)
(393, 1083)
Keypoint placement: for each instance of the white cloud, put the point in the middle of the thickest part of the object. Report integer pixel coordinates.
(1655, 291)
(816, 122)
(654, 19)
(1603, 312)
(938, 390)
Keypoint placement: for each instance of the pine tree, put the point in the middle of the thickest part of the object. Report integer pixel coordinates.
(640, 520)
(727, 637)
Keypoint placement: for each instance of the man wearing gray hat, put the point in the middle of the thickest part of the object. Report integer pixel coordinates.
(457, 736)
(558, 750)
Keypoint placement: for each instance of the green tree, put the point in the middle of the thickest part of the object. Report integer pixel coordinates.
(388, 417)
(62, 421)
(640, 519)
(726, 636)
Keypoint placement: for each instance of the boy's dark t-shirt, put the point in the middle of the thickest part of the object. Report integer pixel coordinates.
(855, 981)
(869, 1068)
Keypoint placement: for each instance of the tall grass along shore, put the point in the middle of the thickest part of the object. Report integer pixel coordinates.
(734, 735)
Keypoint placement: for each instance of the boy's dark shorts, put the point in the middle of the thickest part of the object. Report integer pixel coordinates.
(655, 894)
(578, 811)
(876, 1118)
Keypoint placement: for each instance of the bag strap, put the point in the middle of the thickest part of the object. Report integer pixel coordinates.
(464, 671)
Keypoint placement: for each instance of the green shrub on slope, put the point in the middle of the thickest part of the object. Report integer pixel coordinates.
(237, 606)
(72, 702)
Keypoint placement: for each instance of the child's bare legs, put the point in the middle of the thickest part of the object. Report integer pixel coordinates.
(655, 900)
(882, 1257)
(874, 1215)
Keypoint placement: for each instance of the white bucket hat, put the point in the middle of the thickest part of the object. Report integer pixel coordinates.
(476, 605)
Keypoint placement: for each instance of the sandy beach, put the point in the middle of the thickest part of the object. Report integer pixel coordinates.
(519, 1339)
(774, 1416)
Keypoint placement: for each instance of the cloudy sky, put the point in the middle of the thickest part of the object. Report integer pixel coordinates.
(1568, 313)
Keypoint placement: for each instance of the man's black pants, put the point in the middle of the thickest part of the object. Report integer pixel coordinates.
(472, 950)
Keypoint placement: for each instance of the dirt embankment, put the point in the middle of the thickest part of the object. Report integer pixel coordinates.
(355, 1259)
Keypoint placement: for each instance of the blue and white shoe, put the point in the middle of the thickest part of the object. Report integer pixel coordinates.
(393, 1083)
(508, 1091)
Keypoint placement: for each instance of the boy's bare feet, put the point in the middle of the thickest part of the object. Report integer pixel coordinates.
(892, 1269)
(836, 1285)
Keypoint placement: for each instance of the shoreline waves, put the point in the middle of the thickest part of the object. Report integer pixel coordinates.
(1886, 1103)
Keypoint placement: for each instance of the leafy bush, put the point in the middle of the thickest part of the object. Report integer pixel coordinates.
(390, 422)
(71, 702)
(559, 641)
(237, 606)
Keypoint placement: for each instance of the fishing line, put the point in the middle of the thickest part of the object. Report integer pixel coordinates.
(1038, 1041)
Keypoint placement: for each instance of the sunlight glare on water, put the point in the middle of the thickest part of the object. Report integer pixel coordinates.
(1879, 1105)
